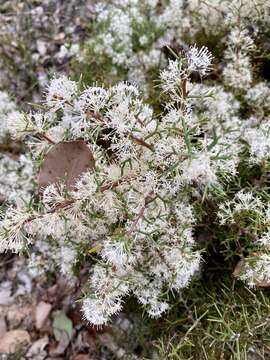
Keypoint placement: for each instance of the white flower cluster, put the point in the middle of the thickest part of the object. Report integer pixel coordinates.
(15, 170)
(243, 205)
(256, 270)
(131, 209)
(258, 139)
(135, 46)
(131, 215)
(7, 107)
(240, 42)
(16, 178)
(250, 216)
(135, 43)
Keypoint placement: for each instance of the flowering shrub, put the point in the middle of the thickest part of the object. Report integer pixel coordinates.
(158, 177)
(135, 47)
(130, 208)
(15, 169)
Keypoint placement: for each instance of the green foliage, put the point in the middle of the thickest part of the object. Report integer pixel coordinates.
(221, 320)
(61, 324)
(216, 317)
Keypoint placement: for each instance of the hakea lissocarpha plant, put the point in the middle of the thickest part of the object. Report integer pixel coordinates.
(117, 182)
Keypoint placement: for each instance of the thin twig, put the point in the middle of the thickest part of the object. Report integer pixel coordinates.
(45, 137)
(66, 204)
(184, 94)
(141, 142)
(137, 140)
(140, 215)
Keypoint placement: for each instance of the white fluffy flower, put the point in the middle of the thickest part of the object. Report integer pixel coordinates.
(199, 60)
(115, 253)
(92, 99)
(256, 270)
(185, 265)
(258, 140)
(97, 312)
(237, 74)
(258, 96)
(60, 93)
(6, 107)
(199, 169)
(17, 124)
(172, 76)
(130, 211)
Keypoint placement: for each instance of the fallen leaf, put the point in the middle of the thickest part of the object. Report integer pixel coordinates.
(52, 290)
(2, 199)
(5, 293)
(3, 326)
(86, 340)
(42, 313)
(16, 314)
(82, 357)
(59, 37)
(61, 324)
(41, 47)
(75, 315)
(62, 345)
(12, 340)
(65, 161)
(238, 268)
(263, 284)
(26, 280)
(38, 347)
(108, 341)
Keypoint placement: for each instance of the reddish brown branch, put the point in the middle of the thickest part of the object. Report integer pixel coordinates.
(184, 94)
(66, 204)
(141, 142)
(113, 184)
(63, 205)
(184, 88)
(137, 140)
(140, 215)
(45, 137)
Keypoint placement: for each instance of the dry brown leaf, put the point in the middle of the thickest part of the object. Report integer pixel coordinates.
(108, 341)
(3, 326)
(5, 293)
(61, 346)
(86, 340)
(12, 340)
(65, 161)
(42, 313)
(238, 268)
(82, 357)
(37, 348)
(2, 199)
(17, 314)
(263, 284)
